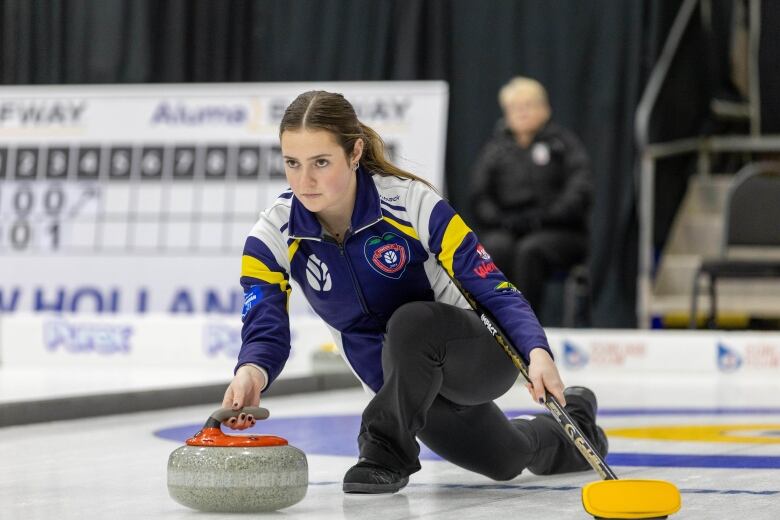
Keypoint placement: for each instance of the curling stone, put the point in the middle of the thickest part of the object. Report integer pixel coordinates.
(237, 473)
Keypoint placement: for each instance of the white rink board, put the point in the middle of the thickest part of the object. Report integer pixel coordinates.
(212, 341)
(155, 340)
(666, 352)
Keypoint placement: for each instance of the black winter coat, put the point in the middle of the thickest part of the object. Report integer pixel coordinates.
(547, 185)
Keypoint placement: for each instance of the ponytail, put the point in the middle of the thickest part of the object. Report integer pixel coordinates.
(375, 160)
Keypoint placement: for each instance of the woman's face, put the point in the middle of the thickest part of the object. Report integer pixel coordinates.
(320, 174)
(525, 113)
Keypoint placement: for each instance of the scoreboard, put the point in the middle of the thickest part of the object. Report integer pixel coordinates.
(121, 190)
(142, 198)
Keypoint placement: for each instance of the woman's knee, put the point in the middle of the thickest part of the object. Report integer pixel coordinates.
(529, 247)
(498, 244)
(503, 474)
(409, 325)
(409, 317)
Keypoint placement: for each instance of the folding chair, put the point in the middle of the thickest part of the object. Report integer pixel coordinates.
(752, 219)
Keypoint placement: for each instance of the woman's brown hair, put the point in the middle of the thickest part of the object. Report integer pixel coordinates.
(321, 110)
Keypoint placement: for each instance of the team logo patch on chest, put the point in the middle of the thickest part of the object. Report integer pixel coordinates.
(387, 255)
(318, 275)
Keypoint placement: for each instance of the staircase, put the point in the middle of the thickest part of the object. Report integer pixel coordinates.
(664, 290)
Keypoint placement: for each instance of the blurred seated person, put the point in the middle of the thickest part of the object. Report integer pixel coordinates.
(531, 192)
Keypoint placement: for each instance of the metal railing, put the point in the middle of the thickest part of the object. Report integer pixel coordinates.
(704, 147)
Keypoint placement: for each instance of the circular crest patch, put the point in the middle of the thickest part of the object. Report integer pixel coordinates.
(387, 255)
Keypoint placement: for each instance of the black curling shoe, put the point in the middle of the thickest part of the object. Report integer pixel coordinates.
(582, 406)
(368, 477)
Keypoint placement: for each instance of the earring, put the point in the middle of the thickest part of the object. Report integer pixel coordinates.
(355, 166)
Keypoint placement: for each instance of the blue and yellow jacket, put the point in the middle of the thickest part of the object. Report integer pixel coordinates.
(404, 244)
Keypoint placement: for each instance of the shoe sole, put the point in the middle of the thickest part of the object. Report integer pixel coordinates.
(374, 489)
(585, 394)
(589, 397)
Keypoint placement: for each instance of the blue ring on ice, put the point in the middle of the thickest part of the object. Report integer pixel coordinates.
(337, 435)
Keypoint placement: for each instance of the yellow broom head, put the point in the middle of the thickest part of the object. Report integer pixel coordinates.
(630, 499)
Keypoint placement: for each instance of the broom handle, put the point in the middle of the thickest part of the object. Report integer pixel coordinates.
(573, 433)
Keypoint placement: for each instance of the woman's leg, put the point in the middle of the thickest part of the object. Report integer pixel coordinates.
(442, 372)
(431, 349)
(538, 254)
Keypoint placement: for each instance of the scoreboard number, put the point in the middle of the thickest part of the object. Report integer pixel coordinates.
(115, 197)
(32, 214)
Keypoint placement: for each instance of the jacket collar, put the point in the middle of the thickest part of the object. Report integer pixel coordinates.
(367, 211)
(502, 130)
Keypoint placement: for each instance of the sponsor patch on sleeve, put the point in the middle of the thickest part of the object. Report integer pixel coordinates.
(506, 287)
(252, 297)
(484, 255)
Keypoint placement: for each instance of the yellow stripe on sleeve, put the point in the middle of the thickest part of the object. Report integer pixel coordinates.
(453, 236)
(254, 268)
(406, 230)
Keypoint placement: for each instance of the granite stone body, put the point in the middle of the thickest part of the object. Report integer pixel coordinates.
(224, 479)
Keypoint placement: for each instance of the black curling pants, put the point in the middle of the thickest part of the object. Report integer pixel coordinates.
(442, 371)
(529, 261)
